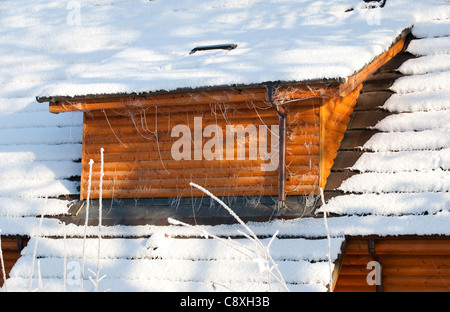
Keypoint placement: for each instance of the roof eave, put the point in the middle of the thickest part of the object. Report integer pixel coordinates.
(327, 83)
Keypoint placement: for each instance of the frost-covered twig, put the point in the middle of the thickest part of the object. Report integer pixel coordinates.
(100, 208)
(206, 234)
(244, 250)
(330, 284)
(3, 264)
(35, 250)
(65, 257)
(252, 236)
(39, 276)
(91, 162)
(268, 258)
(97, 278)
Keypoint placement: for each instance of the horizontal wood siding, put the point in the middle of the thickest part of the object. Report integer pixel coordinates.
(11, 254)
(408, 265)
(138, 161)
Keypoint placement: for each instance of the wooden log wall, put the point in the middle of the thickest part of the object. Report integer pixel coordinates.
(138, 142)
(11, 248)
(420, 264)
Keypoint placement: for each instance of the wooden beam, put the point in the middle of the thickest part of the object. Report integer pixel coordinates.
(371, 68)
(294, 95)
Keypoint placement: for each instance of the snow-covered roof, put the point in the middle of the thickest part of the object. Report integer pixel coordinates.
(171, 265)
(402, 186)
(144, 46)
(405, 168)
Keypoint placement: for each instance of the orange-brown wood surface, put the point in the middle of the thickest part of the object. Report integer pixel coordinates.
(194, 98)
(139, 162)
(412, 264)
(10, 254)
(334, 117)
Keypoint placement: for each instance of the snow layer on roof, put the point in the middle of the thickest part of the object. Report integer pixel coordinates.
(424, 65)
(9, 106)
(413, 223)
(404, 161)
(171, 264)
(410, 182)
(39, 119)
(430, 46)
(42, 170)
(431, 28)
(41, 187)
(434, 81)
(418, 121)
(39, 152)
(115, 47)
(405, 170)
(418, 101)
(391, 204)
(27, 207)
(166, 247)
(408, 140)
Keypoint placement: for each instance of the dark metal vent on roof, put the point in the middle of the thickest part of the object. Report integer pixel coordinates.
(214, 47)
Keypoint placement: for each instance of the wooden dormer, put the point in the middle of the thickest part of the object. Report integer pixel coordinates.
(229, 140)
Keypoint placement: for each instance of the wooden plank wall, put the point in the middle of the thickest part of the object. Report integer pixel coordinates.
(11, 253)
(138, 161)
(419, 264)
(138, 142)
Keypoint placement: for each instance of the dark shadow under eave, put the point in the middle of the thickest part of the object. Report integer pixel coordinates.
(193, 210)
